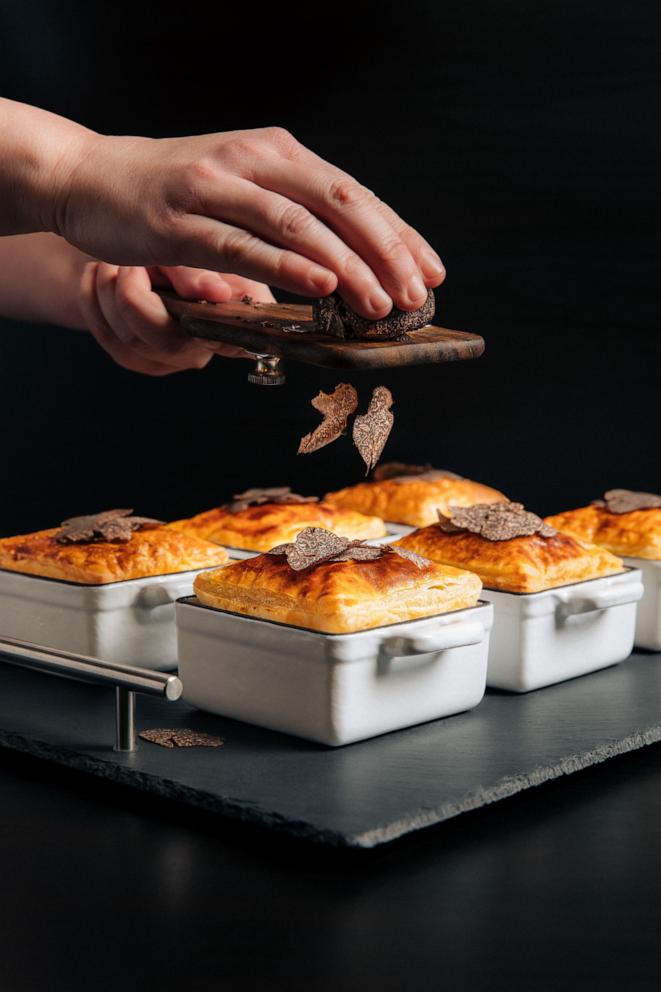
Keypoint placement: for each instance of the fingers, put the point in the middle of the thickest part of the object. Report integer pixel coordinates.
(431, 266)
(193, 284)
(355, 215)
(131, 323)
(103, 333)
(257, 291)
(214, 244)
(281, 221)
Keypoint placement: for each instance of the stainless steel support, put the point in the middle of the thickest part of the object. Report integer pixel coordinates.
(125, 736)
(127, 679)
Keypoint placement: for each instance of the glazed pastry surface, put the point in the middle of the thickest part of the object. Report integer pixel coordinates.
(261, 527)
(338, 597)
(522, 564)
(154, 551)
(413, 502)
(633, 535)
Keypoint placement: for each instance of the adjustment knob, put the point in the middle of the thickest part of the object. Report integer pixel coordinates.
(267, 371)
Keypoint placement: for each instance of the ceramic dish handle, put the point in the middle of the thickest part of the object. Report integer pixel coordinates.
(602, 599)
(161, 594)
(454, 635)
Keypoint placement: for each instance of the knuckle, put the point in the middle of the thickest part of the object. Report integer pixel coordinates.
(294, 221)
(198, 173)
(346, 192)
(283, 140)
(393, 251)
(236, 246)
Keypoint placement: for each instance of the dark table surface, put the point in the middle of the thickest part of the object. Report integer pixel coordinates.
(557, 888)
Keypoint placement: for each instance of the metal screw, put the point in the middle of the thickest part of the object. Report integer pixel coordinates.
(267, 371)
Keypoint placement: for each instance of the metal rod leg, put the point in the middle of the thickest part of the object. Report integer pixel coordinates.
(125, 739)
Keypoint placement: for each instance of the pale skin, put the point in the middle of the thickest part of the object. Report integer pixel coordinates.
(90, 223)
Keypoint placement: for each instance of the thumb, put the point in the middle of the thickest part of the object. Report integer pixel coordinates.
(192, 284)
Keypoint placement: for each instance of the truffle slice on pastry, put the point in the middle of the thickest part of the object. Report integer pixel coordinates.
(261, 527)
(524, 564)
(340, 596)
(413, 499)
(156, 550)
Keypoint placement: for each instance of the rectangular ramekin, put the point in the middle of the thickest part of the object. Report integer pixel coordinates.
(546, 637)
(332, 688)
(648, 620)
(132, 622)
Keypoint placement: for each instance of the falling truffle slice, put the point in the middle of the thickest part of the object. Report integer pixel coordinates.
(331, 315)
(371, 431)
(336, 408)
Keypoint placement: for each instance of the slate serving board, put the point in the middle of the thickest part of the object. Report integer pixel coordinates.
(357, 796)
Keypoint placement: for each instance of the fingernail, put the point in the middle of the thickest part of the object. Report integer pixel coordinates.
(416, 289)
(431, 265)
(380, 301)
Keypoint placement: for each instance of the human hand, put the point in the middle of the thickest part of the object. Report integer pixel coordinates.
(130, 322)
(257, 203)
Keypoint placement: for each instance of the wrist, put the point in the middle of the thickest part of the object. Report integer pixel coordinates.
(39, 152)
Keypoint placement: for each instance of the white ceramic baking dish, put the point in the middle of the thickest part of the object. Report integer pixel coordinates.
(546, 637)
(332, 688)
(132, 622)
(648, 620)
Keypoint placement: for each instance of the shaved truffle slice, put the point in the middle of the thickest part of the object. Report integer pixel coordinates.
(495, 521)
(110, 525)
(274, 494)
(336, 408)
(372, 429)
(316, 546)
(181, 737)
(626, 500)
(331, 315)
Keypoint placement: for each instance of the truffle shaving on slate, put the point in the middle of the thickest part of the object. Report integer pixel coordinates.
(495, 521)
(181, 737)
(336, 408)
(626, 500)
(110, 525)
(331, 315)
(372, 429)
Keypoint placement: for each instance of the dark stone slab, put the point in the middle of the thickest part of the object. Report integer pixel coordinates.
(356, 796)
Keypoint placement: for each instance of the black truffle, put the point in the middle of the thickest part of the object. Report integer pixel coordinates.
(332, 316)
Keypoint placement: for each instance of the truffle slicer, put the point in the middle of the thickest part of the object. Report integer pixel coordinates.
(273, 331)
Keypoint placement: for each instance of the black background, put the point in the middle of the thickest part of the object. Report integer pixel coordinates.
(521, 139)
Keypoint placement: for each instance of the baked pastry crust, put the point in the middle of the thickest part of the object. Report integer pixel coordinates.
(262, 527)
(413, 502)
(338, 597)
(636, 534)
(153, 551)
(522, 564)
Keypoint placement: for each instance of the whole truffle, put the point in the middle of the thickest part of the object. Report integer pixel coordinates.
(331, 315)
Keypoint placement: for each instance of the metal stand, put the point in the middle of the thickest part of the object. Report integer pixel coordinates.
(127, 680)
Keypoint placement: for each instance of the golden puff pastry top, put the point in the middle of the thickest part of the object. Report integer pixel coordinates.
(338, 597)
(153, 551)
(416, 501)
(262, 527)
(636, 534)
(522, 564)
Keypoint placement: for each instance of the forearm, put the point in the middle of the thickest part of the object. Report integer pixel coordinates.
(39, 280)
(37, 153)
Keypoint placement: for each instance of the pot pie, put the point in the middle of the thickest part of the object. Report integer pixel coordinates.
(137, 549)
(261, 518)
(356, 587)
(522, 553)
(412, 494)
(624, 522)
